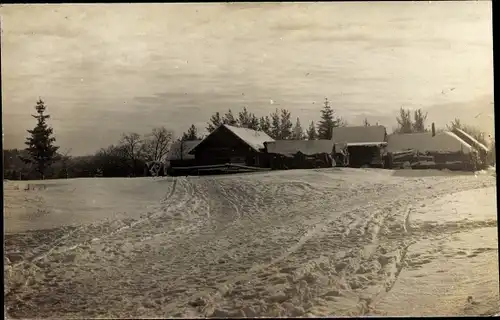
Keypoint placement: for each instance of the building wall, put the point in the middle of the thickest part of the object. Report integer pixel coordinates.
(299, 161)
(182, 163)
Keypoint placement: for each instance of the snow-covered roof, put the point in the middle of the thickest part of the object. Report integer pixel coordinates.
(442, 142)
(175, 150)
(470, 139)
(359, 134)
(253, 138)
(307, 147)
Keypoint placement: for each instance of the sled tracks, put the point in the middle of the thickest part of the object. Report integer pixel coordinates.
(363, 257)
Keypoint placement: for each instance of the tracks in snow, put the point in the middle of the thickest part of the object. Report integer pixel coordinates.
(390, 253)
(282, 244)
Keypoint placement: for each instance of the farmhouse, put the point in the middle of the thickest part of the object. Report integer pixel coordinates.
(365, 144)
(444, 148)
(300, 154)
(228, 144)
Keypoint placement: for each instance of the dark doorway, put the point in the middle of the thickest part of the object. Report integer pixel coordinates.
(360, 156)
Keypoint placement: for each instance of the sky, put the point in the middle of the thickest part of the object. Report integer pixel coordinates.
(105, 69)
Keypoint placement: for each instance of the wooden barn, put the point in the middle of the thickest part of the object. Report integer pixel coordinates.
(228, 144)
(300, 154)
(366, 145)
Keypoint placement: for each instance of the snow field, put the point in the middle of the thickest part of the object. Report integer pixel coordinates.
(290, 243)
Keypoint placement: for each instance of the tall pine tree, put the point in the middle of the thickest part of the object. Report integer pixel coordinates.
(247, 120)
(244, 118)
(254, 122)
(191, 134)
(265, 124)
(229, 119)
(41, 149)
(311, 132)
(297, 131)
(286, 125)
(275, 130)
(328, 122)
(214, 123)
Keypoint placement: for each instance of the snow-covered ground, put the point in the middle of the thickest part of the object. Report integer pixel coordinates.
(283, 243)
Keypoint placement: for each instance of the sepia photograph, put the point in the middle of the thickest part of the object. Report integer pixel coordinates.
(249, 159)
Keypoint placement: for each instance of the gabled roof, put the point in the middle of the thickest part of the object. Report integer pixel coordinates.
(254, 139)
(359, 134)
(443, 142)
(307, 147)
(180, 150)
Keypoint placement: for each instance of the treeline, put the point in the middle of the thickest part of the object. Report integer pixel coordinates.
(279, 124)
(407, 124)
(128, 157)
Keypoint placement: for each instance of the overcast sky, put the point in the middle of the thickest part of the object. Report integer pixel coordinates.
(107, 69)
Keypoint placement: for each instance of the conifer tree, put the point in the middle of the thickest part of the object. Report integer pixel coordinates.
(275, 130)
(42, 152)
(244, 118)
(254, 122)
(286, 125)
(265, 124)
(191, 134)
(298, 132)
(229, 119)
(311, 132)
(247, 120)
(215, 122)
(328, 121)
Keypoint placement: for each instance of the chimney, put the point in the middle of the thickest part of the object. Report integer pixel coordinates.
(433, 130)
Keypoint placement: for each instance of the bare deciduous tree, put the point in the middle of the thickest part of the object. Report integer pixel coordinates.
(419, 121)
(132, 147)
(65, 161)
(157, 143)
(405, 124)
